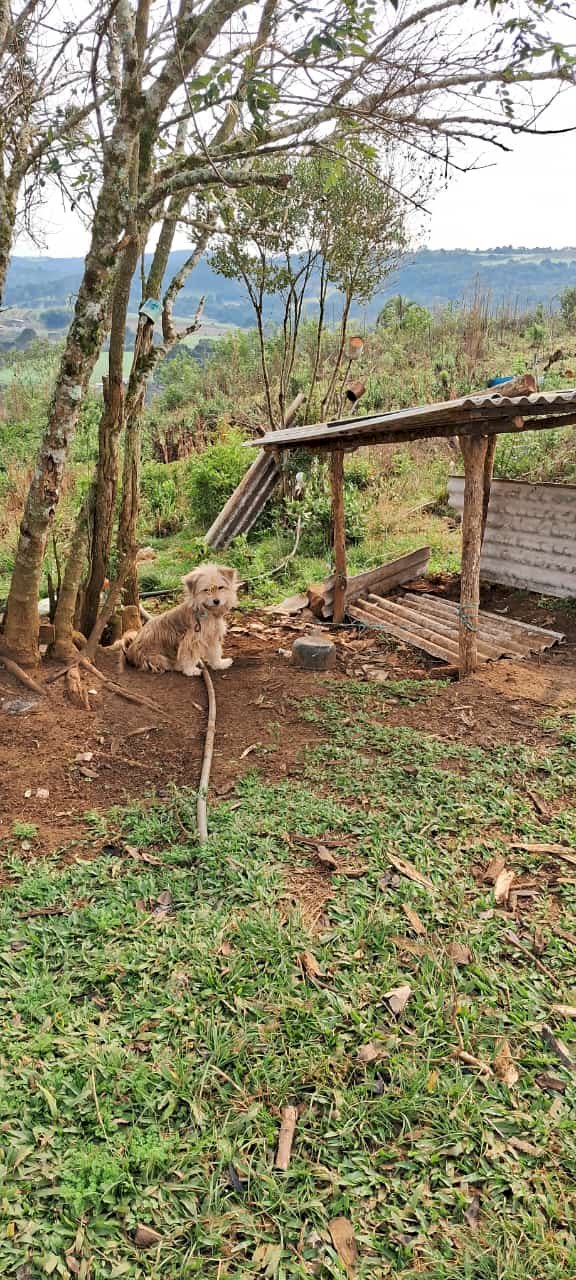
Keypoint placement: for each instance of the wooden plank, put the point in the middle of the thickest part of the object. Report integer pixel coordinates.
(427, 623)
(384, 577)
(339, 534)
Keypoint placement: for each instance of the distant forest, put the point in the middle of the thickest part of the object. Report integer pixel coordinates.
(434, 278)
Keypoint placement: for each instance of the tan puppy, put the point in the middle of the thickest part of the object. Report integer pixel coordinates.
(193, 631)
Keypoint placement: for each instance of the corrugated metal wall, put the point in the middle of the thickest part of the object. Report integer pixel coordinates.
(245, 504)
(530, 538)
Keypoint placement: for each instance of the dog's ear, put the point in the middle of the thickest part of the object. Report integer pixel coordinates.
(230, 576)
(190, 581)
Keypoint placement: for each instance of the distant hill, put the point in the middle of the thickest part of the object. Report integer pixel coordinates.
(520, 277)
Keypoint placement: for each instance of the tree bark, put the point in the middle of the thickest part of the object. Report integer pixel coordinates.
(83, 345)
(63, 646)
(474, 452)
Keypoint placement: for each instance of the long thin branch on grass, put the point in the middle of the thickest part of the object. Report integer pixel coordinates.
(201, 813)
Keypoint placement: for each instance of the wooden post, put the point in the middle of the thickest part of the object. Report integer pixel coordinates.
(475, 450)
(339, 534)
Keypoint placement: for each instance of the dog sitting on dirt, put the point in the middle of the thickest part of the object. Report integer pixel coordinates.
(193, 632)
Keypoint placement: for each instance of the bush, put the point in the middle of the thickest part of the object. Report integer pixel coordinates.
(212, 476)
(161, 497)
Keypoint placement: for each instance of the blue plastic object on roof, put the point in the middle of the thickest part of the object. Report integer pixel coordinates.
(497, 382)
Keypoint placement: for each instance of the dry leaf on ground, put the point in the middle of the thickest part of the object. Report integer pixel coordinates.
(504, 1066)
(310, 965)
(558, 850)
(558, 1047)
(570, 938)
(145, 1237)
(564, 1010)
(342, 1237)
(495, 866)
(552, 1084)
(414, 920)
(406, 869)
(409, 946)
(527, 1149)
(470, 1060)
(323, 855)
(502, 886)
(472, 1213)
(368, 1053)
(398, 997)
(459, 953)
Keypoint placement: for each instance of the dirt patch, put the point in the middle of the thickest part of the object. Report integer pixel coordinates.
(89, 762)
(120, 752)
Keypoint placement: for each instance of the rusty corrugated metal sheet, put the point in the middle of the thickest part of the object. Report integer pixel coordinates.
(432, 624)
(549, 408)
(244, 506)
(530, 538)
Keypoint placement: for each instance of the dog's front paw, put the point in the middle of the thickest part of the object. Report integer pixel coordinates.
(222, 664)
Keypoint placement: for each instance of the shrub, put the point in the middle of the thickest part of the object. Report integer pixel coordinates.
(161, 497)
(212, 476)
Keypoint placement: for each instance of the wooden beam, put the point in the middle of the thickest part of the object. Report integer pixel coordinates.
(475, 452)
(355, 435)
(339, 534)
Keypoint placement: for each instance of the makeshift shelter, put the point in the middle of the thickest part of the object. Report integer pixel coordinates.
(477, 421)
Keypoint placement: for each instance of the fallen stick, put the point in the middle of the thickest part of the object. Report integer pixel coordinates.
(128, 694)
(22, 676)
(286, 1138)
(201, 814)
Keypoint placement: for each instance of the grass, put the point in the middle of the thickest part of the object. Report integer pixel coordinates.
(149, 1042)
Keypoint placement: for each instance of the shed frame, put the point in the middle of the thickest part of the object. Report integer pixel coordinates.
(476, 421)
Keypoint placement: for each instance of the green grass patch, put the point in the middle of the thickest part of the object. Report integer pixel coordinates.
(143, 1063)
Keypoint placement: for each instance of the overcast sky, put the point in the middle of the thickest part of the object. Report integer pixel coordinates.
(524, 197)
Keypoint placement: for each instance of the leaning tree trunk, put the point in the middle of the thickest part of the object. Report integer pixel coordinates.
(128, 517)
(83, 345)
(110, 427)
(146, 358)
(9, 188)
(82, 348)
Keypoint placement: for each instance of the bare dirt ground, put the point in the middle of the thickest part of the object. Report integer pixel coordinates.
(59, 763)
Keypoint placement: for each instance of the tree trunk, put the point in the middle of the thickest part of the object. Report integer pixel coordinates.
(82, 348)
(63, 646)
(83, 345)
(9, 188)
(128, 517)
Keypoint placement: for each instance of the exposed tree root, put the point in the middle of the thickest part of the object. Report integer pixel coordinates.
(22, 676)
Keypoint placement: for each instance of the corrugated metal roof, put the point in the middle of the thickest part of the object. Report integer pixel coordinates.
(244, 506)
(530, 538)
(450, 417)
(432, 624)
